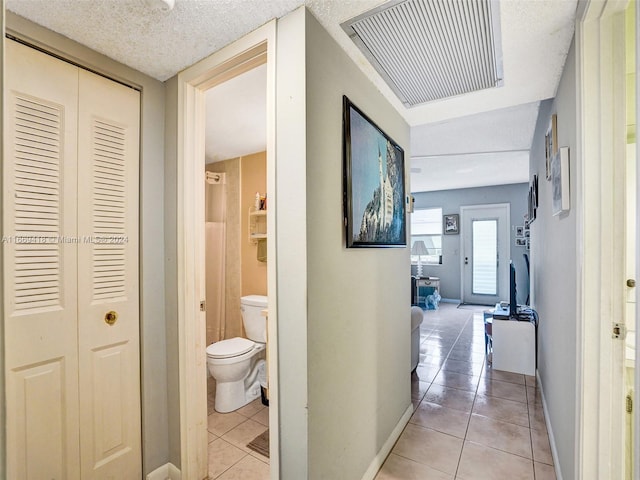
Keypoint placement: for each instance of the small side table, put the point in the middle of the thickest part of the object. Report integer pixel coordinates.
(421, 284)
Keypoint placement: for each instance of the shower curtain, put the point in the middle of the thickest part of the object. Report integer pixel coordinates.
(215, 232)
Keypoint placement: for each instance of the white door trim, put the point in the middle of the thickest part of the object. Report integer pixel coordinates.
(465, 210)
(600, 119)
(252, 50)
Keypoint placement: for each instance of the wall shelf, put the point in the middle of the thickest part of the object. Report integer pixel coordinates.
(257, 225)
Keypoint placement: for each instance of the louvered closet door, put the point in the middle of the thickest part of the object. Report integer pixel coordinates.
(71, 220)
(40, 273)
(108, 279)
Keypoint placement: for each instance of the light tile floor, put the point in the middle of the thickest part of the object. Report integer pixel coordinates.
(469, 422)
(229, 434)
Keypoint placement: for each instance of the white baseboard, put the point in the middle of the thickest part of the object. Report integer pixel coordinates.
(379, 459)
(168, 471)
(552, 440)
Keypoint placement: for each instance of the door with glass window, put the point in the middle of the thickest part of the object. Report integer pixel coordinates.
(485, 254)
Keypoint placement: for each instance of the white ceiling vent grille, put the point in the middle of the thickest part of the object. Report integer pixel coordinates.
(432, 49)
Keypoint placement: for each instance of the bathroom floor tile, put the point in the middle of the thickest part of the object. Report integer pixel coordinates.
(251, 408)
(241, 435)
(221, 423)
(249, 468)
(222, 456)
(262, 417)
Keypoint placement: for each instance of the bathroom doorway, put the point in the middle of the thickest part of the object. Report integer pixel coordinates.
(253, 50)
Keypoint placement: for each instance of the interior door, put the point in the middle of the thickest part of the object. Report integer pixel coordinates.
(108, 312)
(485, 254)
(40, 282)
(70, 206)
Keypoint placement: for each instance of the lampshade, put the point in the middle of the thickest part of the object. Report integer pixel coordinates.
(419, 248)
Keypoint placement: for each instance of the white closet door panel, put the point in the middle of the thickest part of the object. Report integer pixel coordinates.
(108, 281)
(40, 278)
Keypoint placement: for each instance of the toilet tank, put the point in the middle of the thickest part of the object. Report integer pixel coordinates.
(255, 324)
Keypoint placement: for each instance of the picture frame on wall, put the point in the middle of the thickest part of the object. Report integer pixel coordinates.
(561, 198)
(521, 242)
(373, 183)
(551, 143)
(520, 231)
(451, 224)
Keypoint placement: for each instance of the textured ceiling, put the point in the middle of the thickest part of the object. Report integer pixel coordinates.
(494, 150)
(536, 35)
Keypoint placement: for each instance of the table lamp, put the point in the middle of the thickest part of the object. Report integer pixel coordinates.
(419, 249)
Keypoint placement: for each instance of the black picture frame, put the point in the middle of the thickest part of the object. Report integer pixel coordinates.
(373, 183)
(451, 224)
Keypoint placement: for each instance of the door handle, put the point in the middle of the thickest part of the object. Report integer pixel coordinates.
(631, 282)
(466, 260)
(110, 317)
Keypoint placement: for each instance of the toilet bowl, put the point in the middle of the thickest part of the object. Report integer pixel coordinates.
(238, 364)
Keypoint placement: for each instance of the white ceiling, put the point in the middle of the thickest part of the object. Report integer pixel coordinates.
(236, 116)
(536, 35)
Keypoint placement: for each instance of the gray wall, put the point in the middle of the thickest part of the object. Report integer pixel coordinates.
(171, 268)
(450, 201)
(358, 314)
(554, 267)
(152, 318)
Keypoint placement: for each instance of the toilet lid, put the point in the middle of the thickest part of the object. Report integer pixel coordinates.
(229, 348)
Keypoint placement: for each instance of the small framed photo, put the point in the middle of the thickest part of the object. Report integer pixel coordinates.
(527, 233)
(521, 242)
(450, 224)
(519, 231)
(528, 244)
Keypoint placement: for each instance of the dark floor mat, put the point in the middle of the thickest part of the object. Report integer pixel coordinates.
(260, 444)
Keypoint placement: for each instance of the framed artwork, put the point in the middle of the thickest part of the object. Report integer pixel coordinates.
(373, 183)
(561, 200)
(551, 143)
(450, 224)
(520, 231)
(521, 242)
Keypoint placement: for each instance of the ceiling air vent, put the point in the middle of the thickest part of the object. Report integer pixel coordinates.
(431, 49)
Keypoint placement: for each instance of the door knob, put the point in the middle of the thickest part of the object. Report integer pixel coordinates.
(631, 282)
(110, 317)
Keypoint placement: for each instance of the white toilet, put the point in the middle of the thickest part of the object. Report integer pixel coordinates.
(238, 364)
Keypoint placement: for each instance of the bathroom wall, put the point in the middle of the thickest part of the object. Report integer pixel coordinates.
(233, 320)
(253, 178)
